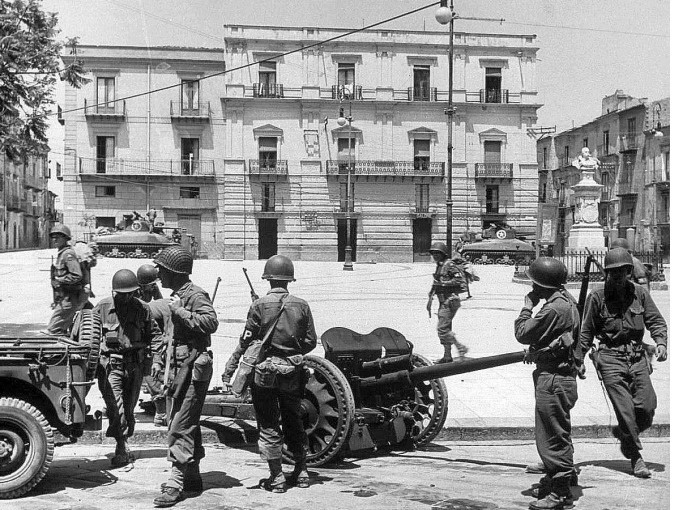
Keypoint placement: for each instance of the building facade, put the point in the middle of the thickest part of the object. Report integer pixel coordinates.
(27, 210)
(243, 144)
(631, 138)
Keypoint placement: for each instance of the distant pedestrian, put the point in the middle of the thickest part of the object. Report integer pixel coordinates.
(551, 335)
(617, 316)
(639, 274)
(448, 282)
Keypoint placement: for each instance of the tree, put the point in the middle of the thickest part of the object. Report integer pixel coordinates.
(30, 63)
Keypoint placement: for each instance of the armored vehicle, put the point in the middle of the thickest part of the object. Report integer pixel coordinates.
(43, 384)
(135, 237)
(498, 245)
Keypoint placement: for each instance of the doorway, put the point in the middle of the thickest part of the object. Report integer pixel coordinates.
(422, 235)
(192, 222)
(342, 238)
(267, 245)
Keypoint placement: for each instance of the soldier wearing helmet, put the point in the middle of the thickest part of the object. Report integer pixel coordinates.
(551, 335)
(639, 274)
(285, 323)
(67, 283)
(147, 275)
(448, 282)
(617, 316)
(128, 331)
(193, 320)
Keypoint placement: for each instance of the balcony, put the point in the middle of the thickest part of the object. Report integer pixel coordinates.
(12, 202)
(268, 170)
(184, 112)
(346, 92)
(404, 169)
(33, 181)
(565, 161)
(161, 168)
(267, 90)
(493, 170)
(422, 93)
(497, 96)
(422, 211)
(106, 112)
(628, 142)
(495, 211)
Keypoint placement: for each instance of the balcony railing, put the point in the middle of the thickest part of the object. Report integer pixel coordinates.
(260, 167)
(385, 168)
(493, 170)
(166, 167)
(110, 111)
(346, 92)
(499, 96)
(267, 90)
(629, 142)
(422, 211)
(181, 109)
(422, 93)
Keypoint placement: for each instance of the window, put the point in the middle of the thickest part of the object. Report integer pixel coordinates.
(585, 142)
(627, 216)
(493, 85)
(189, 155)
(346, 155)
(422, 198)
(605, 141)
(189, 192)
(105, 149)
(267, 151)
(666, 168)
(492, 153)
(627, 168)
(346, 80)
(268, 196)
(105, 221)
(492, 199)
(421, 83)
(421, 154)
(543, 193)
(189, 94)
(545, 158)
(631, 126)
(267, 78)
(106, 92)
(104, 191)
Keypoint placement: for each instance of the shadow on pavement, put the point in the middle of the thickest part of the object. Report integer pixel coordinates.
(622, 465)
(75, 473)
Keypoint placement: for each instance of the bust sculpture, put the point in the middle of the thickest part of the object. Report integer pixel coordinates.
(585, 162)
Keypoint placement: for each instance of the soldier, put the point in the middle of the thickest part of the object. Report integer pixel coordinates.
(231, 366)
(551, 335)
(639, 274)
(285, 323)
(194, 320)
(449, 281)
(148, 288)
(128, 330)
(67, 283)
(618, 315)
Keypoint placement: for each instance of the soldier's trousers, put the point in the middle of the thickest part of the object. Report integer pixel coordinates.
(446, 312)
(626, 378)
(64, 312)
(279, 418)
(120, 382)
(185, 444)
(556, 395)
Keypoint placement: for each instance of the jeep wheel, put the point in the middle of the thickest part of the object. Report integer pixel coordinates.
(87, 330)
(26, 447)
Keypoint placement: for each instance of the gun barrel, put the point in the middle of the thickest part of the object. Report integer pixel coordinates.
(426, 373)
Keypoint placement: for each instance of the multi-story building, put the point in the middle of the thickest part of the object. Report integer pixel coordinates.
(631, 138)
(26, 206)
(243, 146)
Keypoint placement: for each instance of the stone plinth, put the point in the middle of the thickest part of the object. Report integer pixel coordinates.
(586, 232)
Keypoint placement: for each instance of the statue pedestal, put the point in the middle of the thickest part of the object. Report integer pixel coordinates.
(586, 232)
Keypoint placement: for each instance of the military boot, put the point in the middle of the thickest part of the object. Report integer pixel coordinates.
(122, 456)
(299, 477)
(640, 469)
(447, 356)
(553, 502)
(160, 419)
(543, 489)
(193, 483)
(277, 481)
(462, 350)
(169, 496)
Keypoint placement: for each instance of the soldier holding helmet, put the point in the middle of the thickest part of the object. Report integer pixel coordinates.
(617, 316)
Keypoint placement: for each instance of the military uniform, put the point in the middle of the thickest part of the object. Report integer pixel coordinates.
(640, 274)
(618, 321)
(69, 297)
(554, 384)
(448, 282)
(160, 311)
(232, 363)
(278, 410)
(127, 332)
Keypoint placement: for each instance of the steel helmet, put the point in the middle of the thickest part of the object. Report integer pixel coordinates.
(147, 274)
(440, 247)
(620, 242)
(617, 257)
(547, 272)
(60, 229)
(124, 281)
(176, 259)
(279, 267)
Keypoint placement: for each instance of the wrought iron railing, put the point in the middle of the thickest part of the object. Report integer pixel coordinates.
(346, 92)
(267, 90)
(169, 167)
(493, 170)
(422, 93)
(629, 141)
(111, 109)
(182, 109)
(385, 168)
(264, 167)
(499, 96)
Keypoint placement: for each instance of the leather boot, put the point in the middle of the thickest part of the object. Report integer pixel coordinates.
(544, 488)
(276, 482)
(447, 356)
(553, 502)
(640, 469)
(160, 418)
(168, 496)
(299, 477)
(122, 456)
(192, 478)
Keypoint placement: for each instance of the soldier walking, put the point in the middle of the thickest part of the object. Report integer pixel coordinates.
(286, 322)
(551, 335)
(128, 330)
(67, 283)
(449, 281)
(639, 273)
(194, 320)
(617, 316)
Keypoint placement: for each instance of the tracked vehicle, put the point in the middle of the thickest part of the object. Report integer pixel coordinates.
(137, 239)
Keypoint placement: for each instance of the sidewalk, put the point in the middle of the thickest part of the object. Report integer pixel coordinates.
(489, 404)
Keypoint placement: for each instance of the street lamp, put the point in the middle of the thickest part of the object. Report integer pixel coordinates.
(342, 120)
(445, 15)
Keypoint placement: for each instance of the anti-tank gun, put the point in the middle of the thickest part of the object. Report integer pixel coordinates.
(368, 392)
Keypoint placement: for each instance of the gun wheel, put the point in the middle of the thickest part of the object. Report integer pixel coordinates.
(430, 405)
(327, 412)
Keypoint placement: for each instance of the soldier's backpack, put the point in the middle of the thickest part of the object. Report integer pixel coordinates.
(85, 254)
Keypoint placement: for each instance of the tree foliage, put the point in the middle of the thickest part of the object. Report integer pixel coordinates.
(30, 64)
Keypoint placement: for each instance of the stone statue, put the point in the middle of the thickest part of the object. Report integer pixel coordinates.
(585, 162)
